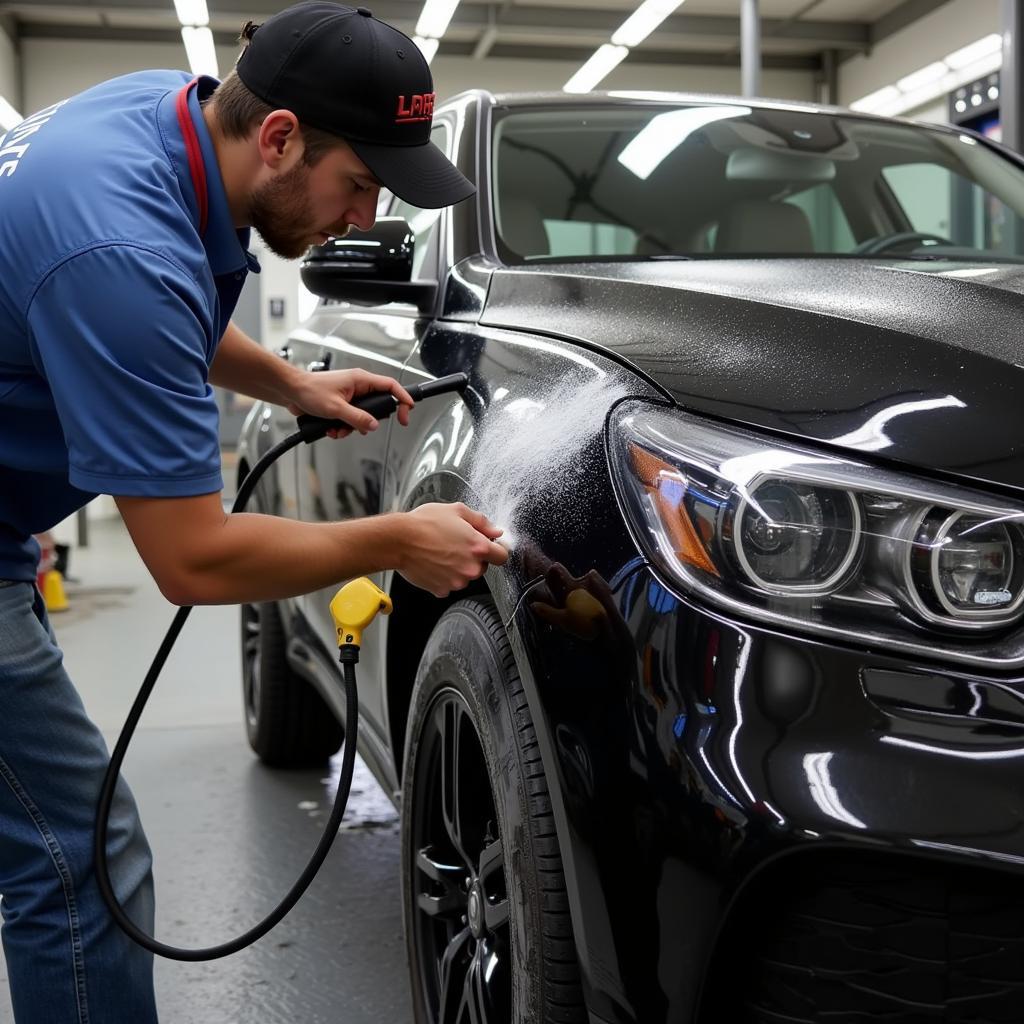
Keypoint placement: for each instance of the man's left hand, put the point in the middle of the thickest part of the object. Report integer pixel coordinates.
(329, 394)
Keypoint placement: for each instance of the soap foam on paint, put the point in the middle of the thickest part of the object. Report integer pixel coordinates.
(528, 455)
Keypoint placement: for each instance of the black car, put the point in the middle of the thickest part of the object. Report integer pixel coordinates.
(737, 735)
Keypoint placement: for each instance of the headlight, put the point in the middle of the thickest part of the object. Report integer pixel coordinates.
(792, 538)
(825, 543)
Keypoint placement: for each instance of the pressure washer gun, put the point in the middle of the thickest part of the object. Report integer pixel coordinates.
(381, 405)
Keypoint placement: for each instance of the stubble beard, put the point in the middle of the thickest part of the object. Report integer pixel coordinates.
(280, 212)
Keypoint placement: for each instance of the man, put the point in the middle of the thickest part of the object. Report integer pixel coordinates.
(124, 216)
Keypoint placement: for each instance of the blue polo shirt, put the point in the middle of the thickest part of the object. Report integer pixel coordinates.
(111, 306)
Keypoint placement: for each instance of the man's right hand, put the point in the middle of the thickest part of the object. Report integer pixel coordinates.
(446, 546)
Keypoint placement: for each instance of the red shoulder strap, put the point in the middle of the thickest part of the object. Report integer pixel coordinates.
(195, 154)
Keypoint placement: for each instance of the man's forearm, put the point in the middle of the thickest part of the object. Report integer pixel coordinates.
(263, 558)
(251, 558)
(243, 365)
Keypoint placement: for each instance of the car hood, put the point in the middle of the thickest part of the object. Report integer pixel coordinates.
(915, 362)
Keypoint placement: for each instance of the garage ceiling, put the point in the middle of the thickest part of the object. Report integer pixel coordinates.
(796, 34)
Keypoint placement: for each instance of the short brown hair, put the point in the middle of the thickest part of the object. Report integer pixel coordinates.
(238, 111)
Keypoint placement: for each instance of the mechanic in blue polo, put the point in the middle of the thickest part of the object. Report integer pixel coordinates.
(124, 221)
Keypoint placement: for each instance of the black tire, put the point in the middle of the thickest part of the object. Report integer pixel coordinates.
(474, 799)
(287, 722)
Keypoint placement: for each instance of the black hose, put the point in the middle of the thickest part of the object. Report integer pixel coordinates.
(117, 758)
(311, 429)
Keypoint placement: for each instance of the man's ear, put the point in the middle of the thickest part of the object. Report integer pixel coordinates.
(279, 140)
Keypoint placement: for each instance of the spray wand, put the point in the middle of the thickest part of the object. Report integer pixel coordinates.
(354, 607)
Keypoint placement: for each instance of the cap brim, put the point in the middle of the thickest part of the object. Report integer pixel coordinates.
(420, 175)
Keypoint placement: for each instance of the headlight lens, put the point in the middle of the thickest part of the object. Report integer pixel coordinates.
(823, 542)
(792, 537)
(967, 565)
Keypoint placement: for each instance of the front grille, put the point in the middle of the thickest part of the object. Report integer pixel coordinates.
(857, 940)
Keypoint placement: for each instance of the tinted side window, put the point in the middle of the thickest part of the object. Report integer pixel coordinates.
(925, 192)
(938, 201)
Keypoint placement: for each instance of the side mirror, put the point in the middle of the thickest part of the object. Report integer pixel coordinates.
(369, 268)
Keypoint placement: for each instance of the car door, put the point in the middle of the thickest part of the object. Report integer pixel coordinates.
(301, 347)
(340, 480)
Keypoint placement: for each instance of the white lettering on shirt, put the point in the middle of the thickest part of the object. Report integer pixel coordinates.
(24, 132)
(28, 127)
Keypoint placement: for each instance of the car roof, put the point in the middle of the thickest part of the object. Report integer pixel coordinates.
(558, 98)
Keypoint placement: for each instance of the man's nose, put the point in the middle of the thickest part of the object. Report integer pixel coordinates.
(364, 212)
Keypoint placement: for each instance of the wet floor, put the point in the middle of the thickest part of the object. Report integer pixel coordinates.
(230, 836)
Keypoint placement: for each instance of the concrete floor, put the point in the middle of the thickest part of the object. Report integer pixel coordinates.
(229, 836)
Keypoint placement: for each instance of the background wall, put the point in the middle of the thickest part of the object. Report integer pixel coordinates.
(953, 25)
(57, 68)
(10, 77)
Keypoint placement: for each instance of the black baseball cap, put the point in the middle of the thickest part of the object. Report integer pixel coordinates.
(341, 70)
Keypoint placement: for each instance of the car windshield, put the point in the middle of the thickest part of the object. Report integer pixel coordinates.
(723, 180)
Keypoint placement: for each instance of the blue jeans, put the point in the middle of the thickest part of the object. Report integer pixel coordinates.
(67, 960)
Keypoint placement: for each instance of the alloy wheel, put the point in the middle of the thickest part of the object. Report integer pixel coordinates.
(251, 661)
(461, 918)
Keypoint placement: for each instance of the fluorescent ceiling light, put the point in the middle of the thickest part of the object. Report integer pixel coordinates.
(913, 100)
(931, 73)
(664, 133)
(951, 81)
(643, 21)
(9, 117)
(975, 51)
(876, 100)
(435, 17)
(974, 61)
(600, 64)
(192, 12)
(428, 47)
(202, 55)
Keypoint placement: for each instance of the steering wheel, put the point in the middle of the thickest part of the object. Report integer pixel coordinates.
(876, 246)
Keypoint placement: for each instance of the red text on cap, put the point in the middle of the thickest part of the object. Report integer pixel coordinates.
(418, 107)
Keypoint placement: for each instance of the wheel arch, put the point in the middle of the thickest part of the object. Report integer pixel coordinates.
(410, 624)
(417, 612)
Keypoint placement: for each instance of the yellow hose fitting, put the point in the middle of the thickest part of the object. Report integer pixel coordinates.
(354, 607)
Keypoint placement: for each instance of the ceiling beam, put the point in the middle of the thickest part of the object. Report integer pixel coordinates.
(485, 43)
(906, 14)
(680, 58)
(817, 35)
(112, 33)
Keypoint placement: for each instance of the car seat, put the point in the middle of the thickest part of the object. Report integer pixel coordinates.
(759, 225)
